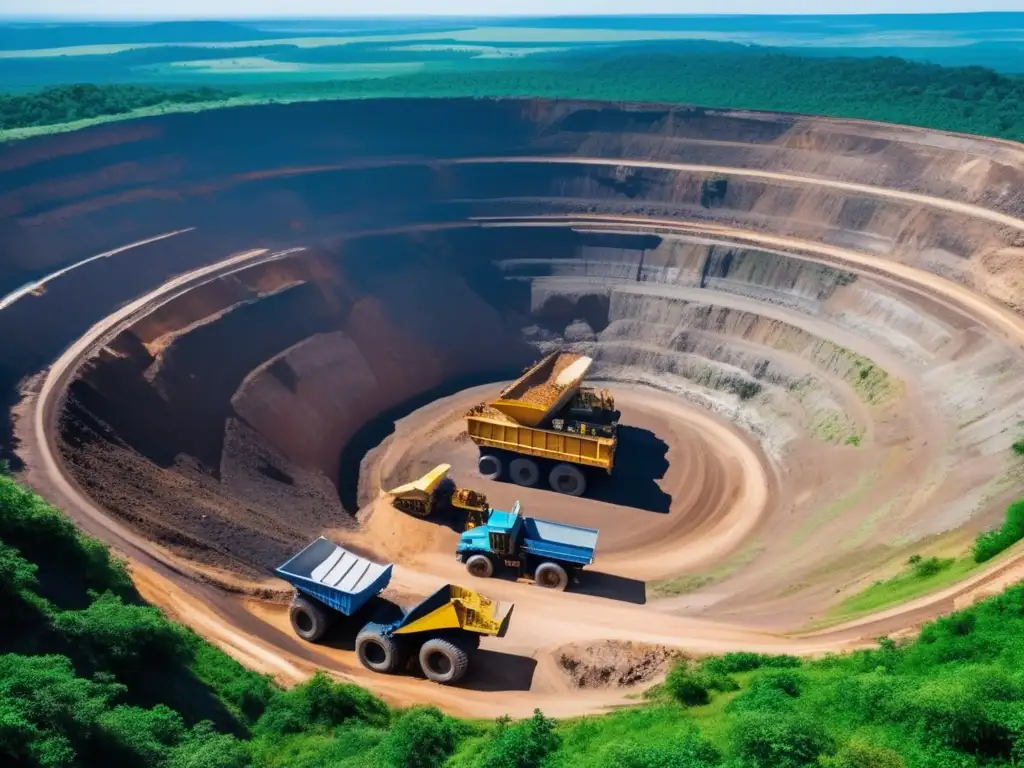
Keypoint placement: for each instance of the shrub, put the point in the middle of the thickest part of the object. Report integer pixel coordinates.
(874, 697)
(860, 755)
(203, 747)
(687, 687)
(422, 738)
(525, 744)
(777, 741)
(142, 736)
(988, 545)
(991, 543)
(771, 690)
(36, 529)
(689, 751)
(247, 692)
(745, 661)
(929, 566)
(47, 713)
(720, 682)
(960, 718)
(321, 703)
(120, 638)
(17, 584)
(1018, 447)
(783, 680)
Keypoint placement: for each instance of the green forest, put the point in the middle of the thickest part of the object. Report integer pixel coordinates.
(969, 99)
(90, 676)
(65, 104)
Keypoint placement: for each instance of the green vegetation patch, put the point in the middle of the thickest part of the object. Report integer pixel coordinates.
(834, 427)
(80, 102)
(90, 675)
(950, 698)
(870, 381)
(921, 576)
(991, 543)
(966, 99)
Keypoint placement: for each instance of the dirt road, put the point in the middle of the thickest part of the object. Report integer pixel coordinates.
(967, 209)
(1010, 324)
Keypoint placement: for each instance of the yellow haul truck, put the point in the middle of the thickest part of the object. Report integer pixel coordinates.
(435, 492)
(546, 422)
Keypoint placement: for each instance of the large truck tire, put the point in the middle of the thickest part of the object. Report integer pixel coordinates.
(310, 618)
(490, 466)
(378, 651)
(443, 661)
(480, 566)
(524, 472)
(551, 576)
(568, 479)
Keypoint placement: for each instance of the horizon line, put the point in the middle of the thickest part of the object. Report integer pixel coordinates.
(50, 17)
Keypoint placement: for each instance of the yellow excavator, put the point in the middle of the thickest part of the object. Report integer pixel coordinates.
(435, 493)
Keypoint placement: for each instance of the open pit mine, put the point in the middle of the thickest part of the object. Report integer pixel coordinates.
(225, 334)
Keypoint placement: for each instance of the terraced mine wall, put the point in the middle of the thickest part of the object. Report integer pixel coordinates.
(800, 276)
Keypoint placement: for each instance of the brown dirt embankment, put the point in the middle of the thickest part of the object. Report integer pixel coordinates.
(614, 664)
(230, 414)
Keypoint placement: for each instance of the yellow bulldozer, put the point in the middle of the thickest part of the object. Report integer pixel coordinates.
(435, 493)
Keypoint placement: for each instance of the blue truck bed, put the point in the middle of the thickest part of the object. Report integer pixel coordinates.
(559, 541)
(335, 576)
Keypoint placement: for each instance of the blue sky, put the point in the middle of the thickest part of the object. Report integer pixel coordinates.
(301, 8)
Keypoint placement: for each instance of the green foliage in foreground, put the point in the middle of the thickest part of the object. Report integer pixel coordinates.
(991, 543)
(89, 675)
(1018, 447)
(67, 103)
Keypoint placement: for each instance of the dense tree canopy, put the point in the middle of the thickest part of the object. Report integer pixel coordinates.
(67, 103)
(964, 99)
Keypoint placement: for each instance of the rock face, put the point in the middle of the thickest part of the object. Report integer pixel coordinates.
(811, 279)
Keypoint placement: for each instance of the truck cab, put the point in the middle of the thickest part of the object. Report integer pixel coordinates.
(549, 552)
(496, 537)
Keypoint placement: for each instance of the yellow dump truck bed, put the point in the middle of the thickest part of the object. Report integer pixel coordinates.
(499, 432)
(543, 388)
(423, 488)
(454, 607)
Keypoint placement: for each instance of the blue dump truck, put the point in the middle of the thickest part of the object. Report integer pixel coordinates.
(442, 632)
(550, 552)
